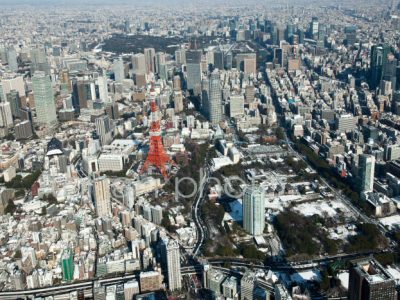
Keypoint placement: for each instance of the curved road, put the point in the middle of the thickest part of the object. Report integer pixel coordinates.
(200, 227)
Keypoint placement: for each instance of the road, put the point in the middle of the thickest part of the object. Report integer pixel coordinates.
(199, 223)
(194, 268)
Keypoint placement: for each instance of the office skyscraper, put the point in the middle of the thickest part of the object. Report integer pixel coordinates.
(236, 105)
(379, 57)
(214, 98)
(368, 280)
(104, 129)
(139, 63)
(314, 27)
(149, 54)
(39, 60)
(247, 285)
(118, 69)
(204, 95)
(193, 69)
(178, 101)
(172, 260)
(103, 88)
(23, 130)
(250, 66)
(366, 172)
(12, 59)
(180, 56)
(6, 119)
(254, 210)
(160, 60)
(2, 94)
(219, 60)
(15, 103)
(44, 99)
(102, 197)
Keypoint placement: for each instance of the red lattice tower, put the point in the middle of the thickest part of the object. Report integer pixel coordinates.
(156, 156)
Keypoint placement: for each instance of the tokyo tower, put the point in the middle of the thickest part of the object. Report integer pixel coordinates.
(156, 156)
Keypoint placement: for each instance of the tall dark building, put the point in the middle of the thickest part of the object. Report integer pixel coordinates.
(390, 71)
(368, 280)
(228, 58)
(81, 92)
(290, 31)
(379, 59)
(351, 35)
(15, 103)
(278, 56)
(193, 69)
(219, 60)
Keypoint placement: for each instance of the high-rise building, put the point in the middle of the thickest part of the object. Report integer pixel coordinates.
(180, 56)
(6, 119)
(23, 130)
(139, 63)
(149, 54)
(228, 60)
(314, 27)
(368, 280)
(118, 69)
(12, 59)
(351, 35)
(15, 103)
(254, 210)
(67, 264)
(173, 263)
(44, 99)
(39, 60)
(178, 101)
(16, 83)
(366, 172)
(236, 105)
(219, 60)
(3, 54)
(205, 84)
(131, 288)
(82, 92)
(246, 62)
(345, 122)
(2, 94)
(177, 83)
(156, 214)
(379, 58)
(102, 197)
(391, 152)
(103, 88)
(250, 93)
(230, 287)
(214, 282)
(160, 60)
(278, 56)
(112, 110)
(193, 69)
(214, 98)
(250, 66)
(104, 129)
(247, 285)
(149, 281)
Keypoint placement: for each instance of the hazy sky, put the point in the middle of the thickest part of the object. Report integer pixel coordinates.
(172, 2)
